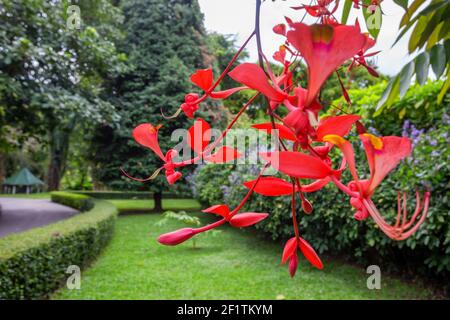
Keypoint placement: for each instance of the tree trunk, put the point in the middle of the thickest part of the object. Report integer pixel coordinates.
(2, 167)
(59, 145)
(157, 198)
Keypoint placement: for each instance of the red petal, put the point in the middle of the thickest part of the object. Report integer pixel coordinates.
(280, 29)
(383, 161)
(293, 264)
(312, 10)
(203, 79)
(324, 48)
(147, 135)
(310, 254)
(289, 249)
(247, 219)
(176, 237)
(254, 77)
(271, 186)
(173, 177)
(224, 154)
(283, 131)
(220, 209)
(298, 165)
(340, 125)
(199, 135)
(225, 93)
(316, 185)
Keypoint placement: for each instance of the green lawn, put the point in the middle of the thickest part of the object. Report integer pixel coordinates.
(147, 205)
(233, 264)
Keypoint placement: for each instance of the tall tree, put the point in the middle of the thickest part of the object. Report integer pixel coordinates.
(165, 43)
(53, 69)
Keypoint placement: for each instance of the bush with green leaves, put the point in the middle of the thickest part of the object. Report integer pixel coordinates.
(34, 263)
(77, 201)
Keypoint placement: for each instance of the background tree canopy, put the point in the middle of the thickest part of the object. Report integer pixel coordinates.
(52, 77)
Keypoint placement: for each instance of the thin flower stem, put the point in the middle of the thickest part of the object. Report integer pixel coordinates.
(230, 64)
(211, 226)
(250, 192)
(216, 142)
(344, 188)
(294, 214)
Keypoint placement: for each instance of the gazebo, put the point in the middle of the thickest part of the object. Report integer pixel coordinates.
(23, 179)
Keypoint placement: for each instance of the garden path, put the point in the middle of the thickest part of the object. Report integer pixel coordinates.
(17, 215)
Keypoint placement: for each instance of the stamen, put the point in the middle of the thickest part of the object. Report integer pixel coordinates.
(152, 177)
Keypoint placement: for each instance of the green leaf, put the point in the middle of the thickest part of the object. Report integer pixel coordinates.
(409, 13)
(402, 3)
(373, 21)
(346, 11)
(422, 67)
(389, 95)
(438, 60)
(435, 37)
(416, 34)
(405, 78)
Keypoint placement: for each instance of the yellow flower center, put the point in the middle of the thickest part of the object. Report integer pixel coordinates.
(376, 142)
(334, 139)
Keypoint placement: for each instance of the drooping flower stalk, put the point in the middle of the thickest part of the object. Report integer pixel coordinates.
(305, 139)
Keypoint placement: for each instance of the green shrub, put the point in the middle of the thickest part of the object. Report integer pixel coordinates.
(33, 264)
(77, 201)
(125, 195)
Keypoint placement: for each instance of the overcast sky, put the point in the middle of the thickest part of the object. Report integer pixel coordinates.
(237, 17)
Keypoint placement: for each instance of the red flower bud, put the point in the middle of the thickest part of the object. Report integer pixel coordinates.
(307, 206)
(293, 264)
(176, 237)
(173, 177)
(247, 219)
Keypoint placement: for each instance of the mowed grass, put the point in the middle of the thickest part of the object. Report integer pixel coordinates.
(147, 205)
(233, 264)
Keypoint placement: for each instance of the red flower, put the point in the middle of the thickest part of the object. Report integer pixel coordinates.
(176, 237)
(280, 29)
(240, 220)
(360, 59)
(200, 137)
(147, 136)
(383, 155)
(254, 77)
(324, 48)
(273, 187)
(298, 165)
(204, 80)
(290, 253)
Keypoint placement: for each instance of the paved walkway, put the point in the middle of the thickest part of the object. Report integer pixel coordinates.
(18, 215)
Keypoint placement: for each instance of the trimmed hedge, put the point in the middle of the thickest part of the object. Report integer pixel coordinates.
(77, 201)
(125, 195)
(33, 264)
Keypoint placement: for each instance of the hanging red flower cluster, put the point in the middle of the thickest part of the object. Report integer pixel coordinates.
(324, 47)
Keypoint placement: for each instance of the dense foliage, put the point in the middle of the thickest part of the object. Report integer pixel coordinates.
(165, 41)
(33, 264)
(77, 201)
(53, 75)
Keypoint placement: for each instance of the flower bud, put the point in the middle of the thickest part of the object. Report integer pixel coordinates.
(293, 264)
(176, 237)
